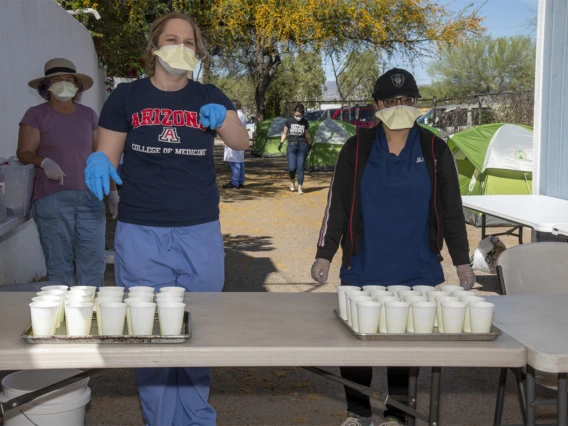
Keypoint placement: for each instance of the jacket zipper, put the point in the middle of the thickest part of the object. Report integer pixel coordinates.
(436, 201)
(353, 202)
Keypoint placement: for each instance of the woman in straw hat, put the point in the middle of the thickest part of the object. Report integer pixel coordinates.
(58, 136)
(168, 231)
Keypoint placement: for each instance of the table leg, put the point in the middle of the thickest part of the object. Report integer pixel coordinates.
(531, 396)
(435, 396)
(521, 392)
(412, 394)
(500, 397)
(483, 223)
(520, 235)
(562, 399)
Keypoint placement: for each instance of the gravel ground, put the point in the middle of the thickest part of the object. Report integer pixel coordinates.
(270, 235)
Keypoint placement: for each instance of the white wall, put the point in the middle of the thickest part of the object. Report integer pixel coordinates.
(550, 176)
(31, 33)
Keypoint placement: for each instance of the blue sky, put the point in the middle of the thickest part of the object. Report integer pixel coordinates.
(501, 18)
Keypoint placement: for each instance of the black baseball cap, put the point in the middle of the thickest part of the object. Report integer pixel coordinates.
(395, 82)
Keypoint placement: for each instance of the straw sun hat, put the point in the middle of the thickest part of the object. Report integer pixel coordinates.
(61, 66)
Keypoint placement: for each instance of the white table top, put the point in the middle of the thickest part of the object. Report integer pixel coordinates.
(540, 323)
(249, 329)
(560, 229)
(539, 212)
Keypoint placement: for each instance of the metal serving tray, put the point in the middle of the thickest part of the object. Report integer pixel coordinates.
(412, 337)
(61, 335)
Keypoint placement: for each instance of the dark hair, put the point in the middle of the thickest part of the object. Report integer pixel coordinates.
(299, 108)
(43, 89)
(237, 104)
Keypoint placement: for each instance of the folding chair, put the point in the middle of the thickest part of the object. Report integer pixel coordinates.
(537, 268)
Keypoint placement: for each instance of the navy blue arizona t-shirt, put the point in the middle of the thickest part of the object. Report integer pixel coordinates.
(168, 173)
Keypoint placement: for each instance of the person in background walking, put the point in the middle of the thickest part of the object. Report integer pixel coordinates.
(297, 130)
(57, 136)
(236, 158)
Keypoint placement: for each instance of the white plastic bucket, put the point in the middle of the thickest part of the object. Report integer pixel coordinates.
(65, 406)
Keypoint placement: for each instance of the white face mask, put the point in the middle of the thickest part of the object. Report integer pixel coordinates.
(177, 59)
(398, 117)
(63, 90)
(297, 118)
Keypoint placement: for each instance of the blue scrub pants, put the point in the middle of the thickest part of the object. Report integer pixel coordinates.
(71, 226)
(191, 257)
(296, 154)
(237, 173)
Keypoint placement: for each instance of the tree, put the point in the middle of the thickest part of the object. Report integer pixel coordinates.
(299, 78)
(355, 73)
(486, 66)
(257, 32)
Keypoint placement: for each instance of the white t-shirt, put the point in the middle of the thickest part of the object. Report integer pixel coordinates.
(230, 154)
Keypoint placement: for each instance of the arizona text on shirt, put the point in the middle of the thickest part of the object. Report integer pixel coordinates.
(166, 117)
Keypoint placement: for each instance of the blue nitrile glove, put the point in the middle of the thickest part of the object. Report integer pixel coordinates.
(212, 115)
(98, 173)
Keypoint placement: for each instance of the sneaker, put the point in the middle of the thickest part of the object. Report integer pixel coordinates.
(230, 185)
(392, 421)
(242, 185)
(300, 190)
(356, 420)
(292, 188)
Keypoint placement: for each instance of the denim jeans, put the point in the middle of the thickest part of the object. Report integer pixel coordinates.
(237, 173)
(296, 154)
(71, 227)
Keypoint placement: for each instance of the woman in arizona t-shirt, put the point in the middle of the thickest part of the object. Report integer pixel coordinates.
(168, 231)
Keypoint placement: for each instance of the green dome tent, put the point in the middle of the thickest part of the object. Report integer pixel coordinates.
(328, 137)
(493, 159)
(268, 133)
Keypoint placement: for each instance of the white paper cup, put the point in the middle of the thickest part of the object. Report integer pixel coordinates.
(347, 294)
(56, 299)
(453, 315)
(480, 316)
(110, 291)
(402, 293)
(423, 314)
(410, 300)
(113, 316)
(55, 287)
(373, 287)
(171, 318)
(169, 297)
(91, 288)
(144, 295)
(129, 301)
(61, 311)
(466, 300)
(424, 288)
(433, 294)
(382, 317)
(79, 316)
(396, 316)
(396, 288)
(141, 288)
(117, 298)
(451, 288)
(380, 293)
(461, 293)
(176, 290)
(354, 316)
(142, 318)
(368, 314)
(77, 299)
(44, 317)
(439, 316)
(79, 293)
(341, 299)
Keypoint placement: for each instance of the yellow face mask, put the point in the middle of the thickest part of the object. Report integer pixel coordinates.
(177, 59)
(63, 90)
(398, 117)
